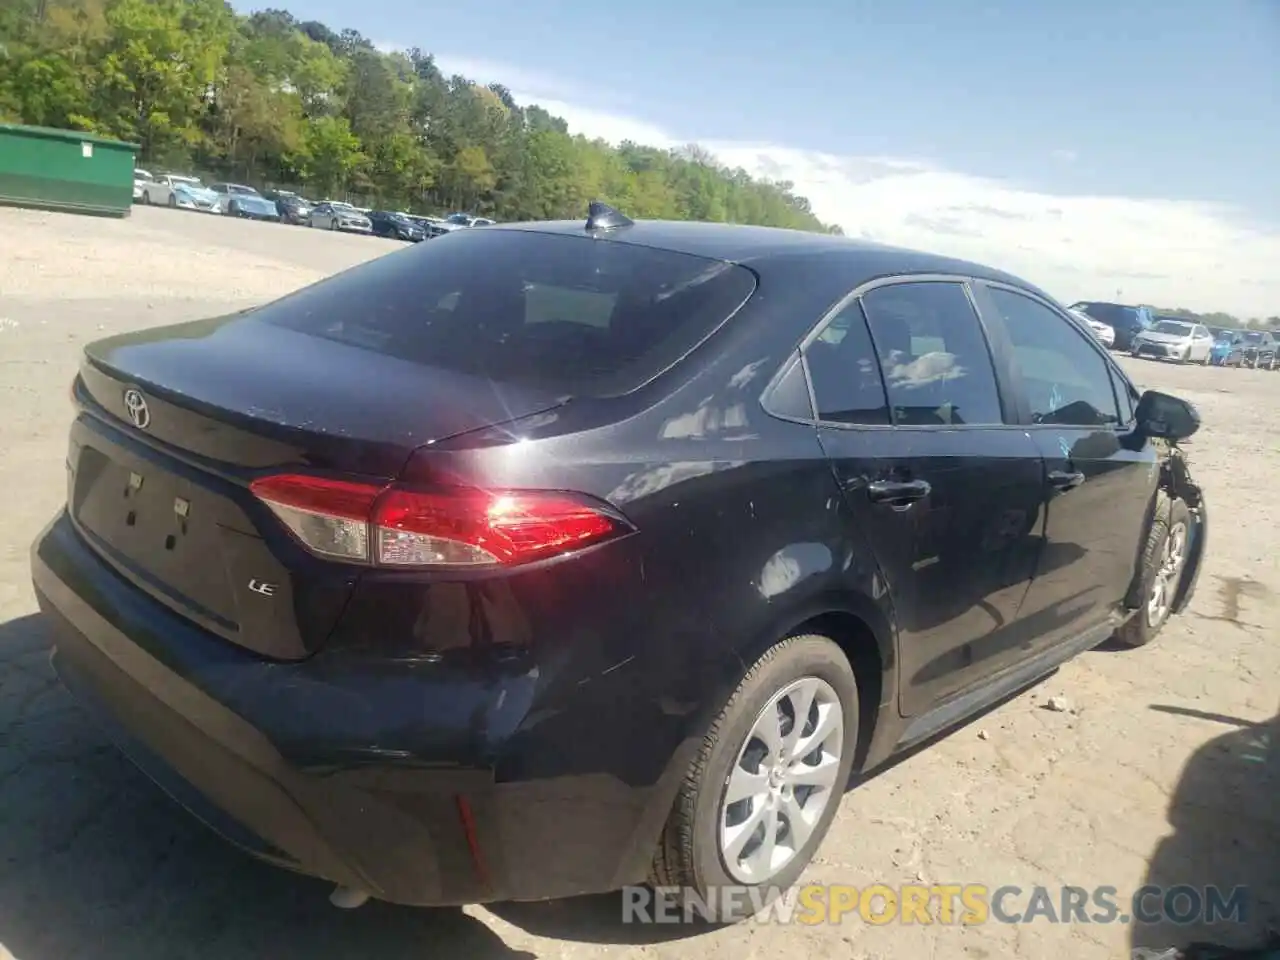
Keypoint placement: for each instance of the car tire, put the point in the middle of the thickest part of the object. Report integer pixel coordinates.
(691, 854)
(146, 198)
(173, 201)
(1164, 561)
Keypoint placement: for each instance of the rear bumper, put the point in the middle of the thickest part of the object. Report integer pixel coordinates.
(249, 747)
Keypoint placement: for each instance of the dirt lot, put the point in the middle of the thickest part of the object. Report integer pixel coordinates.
(1159, 772)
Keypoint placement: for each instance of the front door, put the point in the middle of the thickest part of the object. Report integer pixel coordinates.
(1100, 475)
(947, 496)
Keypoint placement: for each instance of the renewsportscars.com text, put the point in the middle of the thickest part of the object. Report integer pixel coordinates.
(942, 903)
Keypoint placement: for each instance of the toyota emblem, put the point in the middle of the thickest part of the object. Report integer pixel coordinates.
(135, 405)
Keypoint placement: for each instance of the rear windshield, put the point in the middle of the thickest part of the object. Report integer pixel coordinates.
(576, 315)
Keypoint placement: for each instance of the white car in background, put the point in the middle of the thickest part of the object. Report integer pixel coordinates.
(1105, 333)
(179, 192)
(140, 180)
(1172, 339)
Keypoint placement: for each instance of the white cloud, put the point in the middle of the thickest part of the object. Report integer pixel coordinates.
(1168, 252)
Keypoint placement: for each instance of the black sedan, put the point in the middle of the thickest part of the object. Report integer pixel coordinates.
(290, 206)
(396, 226)
(550, 557)
(1258, 349)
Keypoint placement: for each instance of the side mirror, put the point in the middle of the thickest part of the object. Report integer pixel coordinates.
(1171, 418)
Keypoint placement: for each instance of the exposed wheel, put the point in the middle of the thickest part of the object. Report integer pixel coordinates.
(767, 781)
(1163, 561)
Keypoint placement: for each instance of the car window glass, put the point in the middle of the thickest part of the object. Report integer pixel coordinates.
(1065, 377)
(790, 395)
(1125, 394)
(844, 372)
(579, 316)
(933, 355)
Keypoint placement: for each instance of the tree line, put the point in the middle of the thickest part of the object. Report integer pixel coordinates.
(269, 100)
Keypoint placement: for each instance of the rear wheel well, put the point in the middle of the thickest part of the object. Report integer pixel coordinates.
(858, 643)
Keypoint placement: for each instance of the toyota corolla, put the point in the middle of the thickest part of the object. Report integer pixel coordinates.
(547, 558)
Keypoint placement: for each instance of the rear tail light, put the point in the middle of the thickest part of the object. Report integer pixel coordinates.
(447, 527)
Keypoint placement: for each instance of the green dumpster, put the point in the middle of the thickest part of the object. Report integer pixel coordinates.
(65, 170)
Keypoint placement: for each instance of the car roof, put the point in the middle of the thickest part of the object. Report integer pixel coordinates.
(756, 246)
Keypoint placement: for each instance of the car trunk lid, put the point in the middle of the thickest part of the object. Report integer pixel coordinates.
(178, 420)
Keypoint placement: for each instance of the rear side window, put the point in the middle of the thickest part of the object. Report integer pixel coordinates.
(933, 355)
(573, 314)
(845, 373)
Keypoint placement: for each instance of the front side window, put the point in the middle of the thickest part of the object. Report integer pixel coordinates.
(1066, 379)
(845, 371)
(1125, 394)
(933, 354)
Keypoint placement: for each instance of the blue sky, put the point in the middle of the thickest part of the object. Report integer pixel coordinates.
(1095, 115)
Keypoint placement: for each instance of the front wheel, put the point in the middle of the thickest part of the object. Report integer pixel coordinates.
(1164, 560)
(766, 784)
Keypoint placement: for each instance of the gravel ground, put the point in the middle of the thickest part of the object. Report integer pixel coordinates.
(1158, 770)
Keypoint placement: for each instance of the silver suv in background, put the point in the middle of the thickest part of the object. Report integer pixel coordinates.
(336, 215)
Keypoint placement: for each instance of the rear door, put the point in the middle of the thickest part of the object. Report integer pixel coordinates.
(1100, 475)
(947, 496)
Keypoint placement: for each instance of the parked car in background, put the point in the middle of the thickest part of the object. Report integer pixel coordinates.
(1105, 334)
(1172, 338)
(188, 193)
(1259, 349)
(431, 226)
(176, 190)
(1126, 321)
(237, 200)
(336, 215)
(396, 226)
(291, 207)
(1228, 348)
(140, 180)
(467, 220)
(392, 580)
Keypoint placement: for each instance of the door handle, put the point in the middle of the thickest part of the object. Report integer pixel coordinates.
(898, 493)
(1065, 480)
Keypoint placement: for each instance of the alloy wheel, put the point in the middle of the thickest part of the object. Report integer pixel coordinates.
(782, 781)
(1165, 585)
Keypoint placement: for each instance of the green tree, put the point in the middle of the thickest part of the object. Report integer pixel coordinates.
(265, 98)
(330, 154)
(156, 68)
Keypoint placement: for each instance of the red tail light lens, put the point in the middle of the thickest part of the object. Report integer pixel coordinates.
(456, 527)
